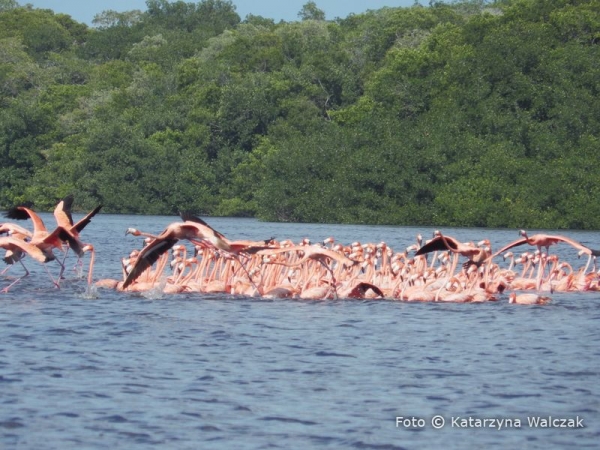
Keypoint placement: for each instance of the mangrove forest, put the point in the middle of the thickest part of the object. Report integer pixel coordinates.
(469, 113)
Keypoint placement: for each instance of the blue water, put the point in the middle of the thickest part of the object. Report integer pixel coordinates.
(119, 370)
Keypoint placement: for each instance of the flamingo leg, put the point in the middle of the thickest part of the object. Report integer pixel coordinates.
(541, 269)
(57, 281)
(6, 289)
(65, 257)
(237, 258)
(333, 281)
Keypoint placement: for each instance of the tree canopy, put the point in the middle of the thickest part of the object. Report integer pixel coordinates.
(469, 113)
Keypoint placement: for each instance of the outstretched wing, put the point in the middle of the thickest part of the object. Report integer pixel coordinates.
(187, 216)
(511, 245)
(24, 213)
(87, 219)
(147, 257)
(437, 244)
(572, 242)
(67, 206)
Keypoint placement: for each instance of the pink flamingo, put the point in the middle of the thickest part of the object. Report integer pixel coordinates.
(527, 299)
(19, 246)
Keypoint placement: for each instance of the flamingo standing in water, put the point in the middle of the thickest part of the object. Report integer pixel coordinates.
(527, 299)
(477, 255)
(316, 253)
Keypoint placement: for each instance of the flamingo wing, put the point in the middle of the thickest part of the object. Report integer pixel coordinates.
(361, 289)
(437, 244)
(18, 246)
(148, 256)
(68, 237)
(511, 245)
(87, 219)
(187, 216)
(24, 213)
(17, 213)
(62, 211)
(573, 243)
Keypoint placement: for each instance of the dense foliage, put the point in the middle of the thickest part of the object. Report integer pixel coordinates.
(461, 114)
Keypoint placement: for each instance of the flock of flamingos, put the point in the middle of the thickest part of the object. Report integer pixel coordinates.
(441, 269)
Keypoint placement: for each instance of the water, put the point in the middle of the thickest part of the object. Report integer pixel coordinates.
(215, 371)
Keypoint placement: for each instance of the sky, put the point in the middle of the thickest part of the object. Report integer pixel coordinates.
(287, 10)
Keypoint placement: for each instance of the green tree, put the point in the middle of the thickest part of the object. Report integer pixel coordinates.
(310, 11)
(7, 5)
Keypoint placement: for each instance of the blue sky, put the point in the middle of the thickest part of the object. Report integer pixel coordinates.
(85, 10)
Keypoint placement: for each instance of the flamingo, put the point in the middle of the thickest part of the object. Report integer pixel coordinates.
(315, 253)
(136, 232)
(192, 229)
(527, 299)
(592, 254)
(47, 241)
(476, 254)
(41, 237)
(359, 290)
(14, 230)
(18, 246)
(541, 241)
(64, 219)
(18, 232)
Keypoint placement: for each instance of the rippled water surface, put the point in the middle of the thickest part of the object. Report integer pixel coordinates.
(215, 371)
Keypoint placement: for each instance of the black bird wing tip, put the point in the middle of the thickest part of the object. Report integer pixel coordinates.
(16, 213)
(361, 288)
(158, 249)
(79, 226)
(131, 277)
(136, 271)
(75, 245)
(68, 202)
(253, 249)
(191, 217)
(431, 246)
(148, 258)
